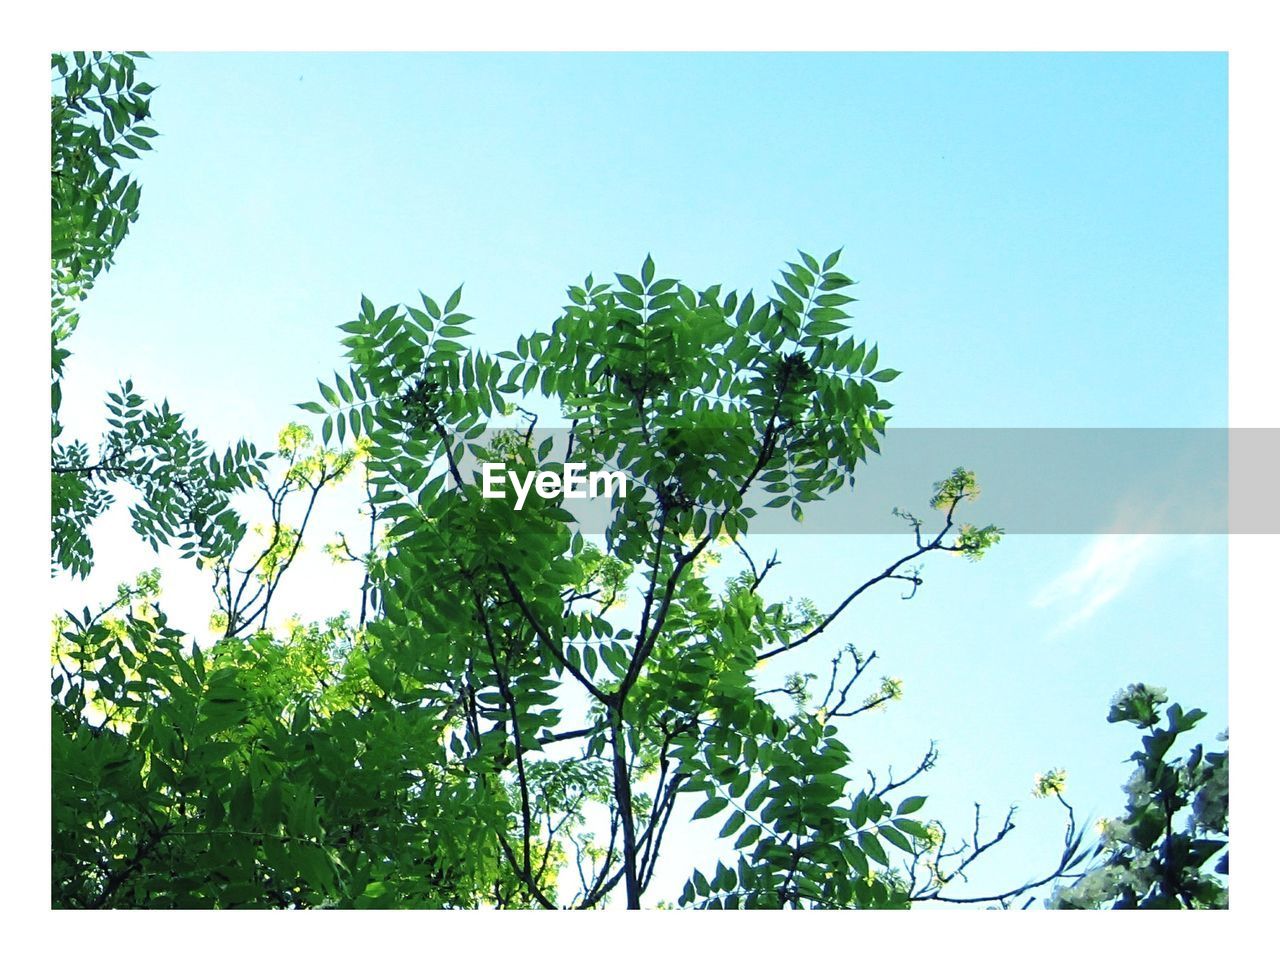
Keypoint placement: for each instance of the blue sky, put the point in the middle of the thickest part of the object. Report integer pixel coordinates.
(1040, 241)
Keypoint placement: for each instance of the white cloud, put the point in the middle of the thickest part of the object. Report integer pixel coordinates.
(1103, 572)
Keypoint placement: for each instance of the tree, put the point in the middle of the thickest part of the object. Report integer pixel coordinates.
(1147, 858)
(519, 709)
(487, 734)
(502, 616)
(98, 109)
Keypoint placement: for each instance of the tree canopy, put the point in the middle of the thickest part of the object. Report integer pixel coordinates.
(515, 709)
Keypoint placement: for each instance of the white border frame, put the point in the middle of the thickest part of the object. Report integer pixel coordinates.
(1242, 31)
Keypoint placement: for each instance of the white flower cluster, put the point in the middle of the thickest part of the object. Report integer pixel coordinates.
(1134, 872)
(1126, 695)
(1139, 790)
(1137, 703)
(1114, 833)
(1210, 805)
(1108, 883)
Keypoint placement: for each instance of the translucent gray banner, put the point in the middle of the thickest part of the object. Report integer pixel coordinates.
(1033, 481)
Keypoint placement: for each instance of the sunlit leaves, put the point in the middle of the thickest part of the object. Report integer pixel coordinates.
(511, 677)
(185, 490)
(97, 111)
(242, 787)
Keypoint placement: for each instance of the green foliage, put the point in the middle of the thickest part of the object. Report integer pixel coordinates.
(1169, 850)
(806, 834)
(98, 106)
(260, 773)
(98, 109)
(518, 711)
(503, 709)
(699, 398)
(185, 490)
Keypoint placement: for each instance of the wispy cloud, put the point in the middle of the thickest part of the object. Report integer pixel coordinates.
(1103, 572)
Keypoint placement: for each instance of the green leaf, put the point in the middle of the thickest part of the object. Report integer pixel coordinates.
(911, 805)
(895, 837)
(709, 807)
(732, 823)
(241, 810)
(869, 363)
(700, 883)
(630, 284)
(757, 796)
(871, 845)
